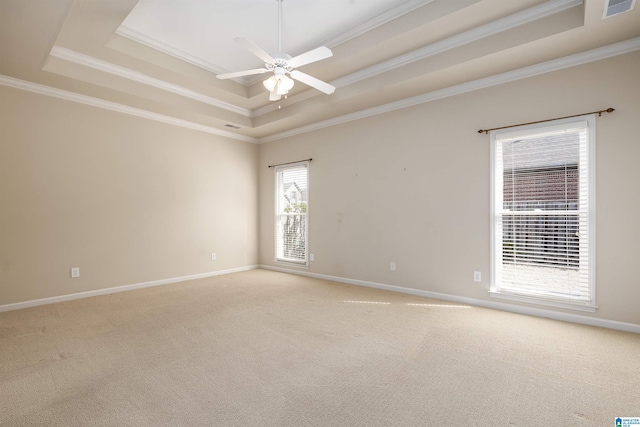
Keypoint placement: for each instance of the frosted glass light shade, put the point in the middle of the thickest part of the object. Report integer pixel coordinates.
(280, 84)
(270, 83)
(285, 84)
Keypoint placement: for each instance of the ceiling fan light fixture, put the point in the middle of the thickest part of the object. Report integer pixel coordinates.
(278, 83)
(284, 85)
(273, 96)
(270, 83)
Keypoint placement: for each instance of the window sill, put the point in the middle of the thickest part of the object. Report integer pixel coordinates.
(544, 301)
(301, 266)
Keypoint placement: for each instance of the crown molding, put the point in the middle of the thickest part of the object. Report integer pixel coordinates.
(604, 52)
(377, 21)
(161, 47)
(535, 13)
(543, 10)
(108, 67)
(548, 8)
(138, 37)
(113, 106)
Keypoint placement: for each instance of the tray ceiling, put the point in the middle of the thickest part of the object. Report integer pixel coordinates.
(202, 32)
(159, 59)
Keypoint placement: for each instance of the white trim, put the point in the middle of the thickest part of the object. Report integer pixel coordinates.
(587, 122)
(107, 67)
(542, 301)
(180, 54)
(277, 169)
(106, 291)
(597, 54)
(113, 106)
(292, 264)
(375, 22)
(138, 37)
(530, 311)
(529, 15)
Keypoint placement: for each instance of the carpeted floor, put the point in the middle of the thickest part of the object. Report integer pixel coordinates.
(261, 348)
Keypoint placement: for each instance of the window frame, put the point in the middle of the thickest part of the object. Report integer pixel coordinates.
(283, 261)
(494, 287)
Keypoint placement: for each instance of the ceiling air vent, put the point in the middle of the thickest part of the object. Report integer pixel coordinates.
(614, 7)
(232, 126)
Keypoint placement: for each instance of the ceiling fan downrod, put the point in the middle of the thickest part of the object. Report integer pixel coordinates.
(279, 25)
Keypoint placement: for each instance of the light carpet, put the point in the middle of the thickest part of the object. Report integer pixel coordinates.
(261, 348)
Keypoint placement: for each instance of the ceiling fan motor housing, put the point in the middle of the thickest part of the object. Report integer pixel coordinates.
(280, 64)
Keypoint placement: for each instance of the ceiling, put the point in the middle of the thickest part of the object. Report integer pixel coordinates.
(158, 58)
(202, 32)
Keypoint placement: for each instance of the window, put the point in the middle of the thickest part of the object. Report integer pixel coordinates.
(543, 216)
(292, 201)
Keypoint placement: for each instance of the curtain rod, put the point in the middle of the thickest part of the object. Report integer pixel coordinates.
(290, 163)
(608, 110)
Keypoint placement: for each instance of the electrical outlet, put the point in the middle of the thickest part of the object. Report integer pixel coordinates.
(213, 256)
(392, 266)
(312, 257)
(75, 272)
(477, 276)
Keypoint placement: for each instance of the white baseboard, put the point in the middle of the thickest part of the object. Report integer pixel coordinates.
(531, 311)
(106, 291)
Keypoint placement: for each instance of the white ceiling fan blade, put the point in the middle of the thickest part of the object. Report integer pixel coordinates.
(255, 49)
(314, 55)
(313, 82)
(242, 73)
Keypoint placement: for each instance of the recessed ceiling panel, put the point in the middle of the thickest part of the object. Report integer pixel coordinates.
(202, 31)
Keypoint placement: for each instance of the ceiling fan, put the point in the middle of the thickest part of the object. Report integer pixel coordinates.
(282, 64)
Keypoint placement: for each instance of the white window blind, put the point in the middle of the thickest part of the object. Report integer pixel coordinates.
(543, 212)
(292, 200)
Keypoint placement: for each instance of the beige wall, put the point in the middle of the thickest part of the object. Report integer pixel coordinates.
(128, 200)
(412, 186)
